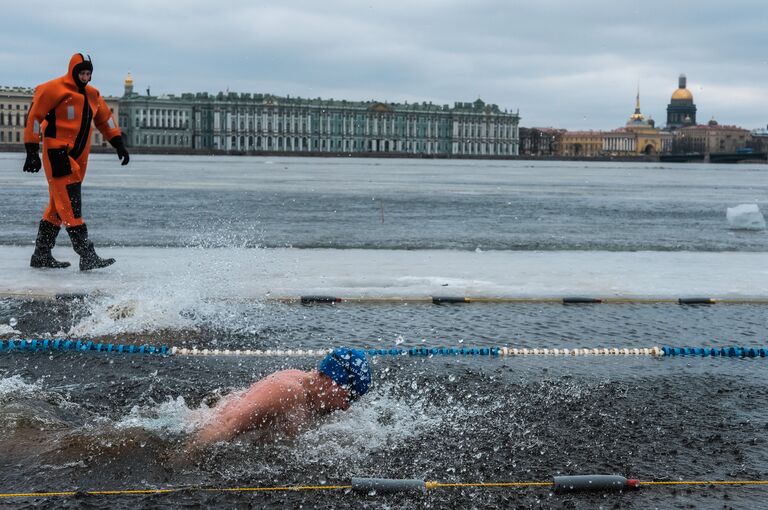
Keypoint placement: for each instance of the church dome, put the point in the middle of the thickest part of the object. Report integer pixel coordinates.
(682, 94)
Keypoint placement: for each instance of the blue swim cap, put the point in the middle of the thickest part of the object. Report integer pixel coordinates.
(348, 368)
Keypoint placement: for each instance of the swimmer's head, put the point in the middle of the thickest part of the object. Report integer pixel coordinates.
(349, 368)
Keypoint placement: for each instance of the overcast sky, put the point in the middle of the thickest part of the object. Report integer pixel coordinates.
(574, 64)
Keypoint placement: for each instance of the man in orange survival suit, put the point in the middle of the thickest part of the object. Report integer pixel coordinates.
(62, 110)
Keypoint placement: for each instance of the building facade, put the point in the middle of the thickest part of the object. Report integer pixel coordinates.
(14, 107)
(759, 141)
(258, 123)
(711, 138)
(620, 142)
(149, 121)
(581, 144)
(647, 138)
(637, 138)
(539, 142)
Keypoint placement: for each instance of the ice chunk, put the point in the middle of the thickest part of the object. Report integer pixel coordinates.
(745, 217)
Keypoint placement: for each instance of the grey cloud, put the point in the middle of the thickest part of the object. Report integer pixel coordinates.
(562, 63)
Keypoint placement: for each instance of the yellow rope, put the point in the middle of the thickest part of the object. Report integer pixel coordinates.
(294, 488)
(429, 485)
(130, 492)
(36, 494)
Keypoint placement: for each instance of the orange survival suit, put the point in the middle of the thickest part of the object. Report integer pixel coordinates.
(61, 113)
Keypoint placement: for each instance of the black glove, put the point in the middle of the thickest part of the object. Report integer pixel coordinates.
(117, 143)
(32, 164)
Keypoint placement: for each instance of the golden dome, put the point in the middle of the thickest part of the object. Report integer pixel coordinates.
(682, 94)
(129, 79)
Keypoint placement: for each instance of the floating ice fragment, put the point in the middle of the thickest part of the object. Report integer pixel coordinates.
(745, 217)
(12, 322)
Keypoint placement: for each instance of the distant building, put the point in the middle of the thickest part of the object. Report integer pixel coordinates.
(759, 141)
(581, 144)
(667, 141)
(254, 123)
(638, 137)
(14, 106)
(150, 121)
(620, 142)
(539, 141)
(647, 137)
(711, 138)
(681, 111)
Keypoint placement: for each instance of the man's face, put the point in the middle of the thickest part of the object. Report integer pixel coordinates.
(84, 77)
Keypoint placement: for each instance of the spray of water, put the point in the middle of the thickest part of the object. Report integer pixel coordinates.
(188, 297)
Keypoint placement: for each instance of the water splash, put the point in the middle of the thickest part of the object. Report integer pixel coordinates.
(378, 421)
(172, 416)
(189, 296)
(8, 329)
(15, 386)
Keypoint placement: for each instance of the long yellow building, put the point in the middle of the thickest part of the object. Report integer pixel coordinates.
(638, 137)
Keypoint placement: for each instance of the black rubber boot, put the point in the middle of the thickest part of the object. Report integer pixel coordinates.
(46, 240)
(83, 247)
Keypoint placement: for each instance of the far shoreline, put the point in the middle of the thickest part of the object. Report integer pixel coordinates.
(167, 151)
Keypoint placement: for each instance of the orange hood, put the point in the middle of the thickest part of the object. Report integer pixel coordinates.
(76, 64)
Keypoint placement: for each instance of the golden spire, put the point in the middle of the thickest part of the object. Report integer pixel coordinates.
(637, 116)
(129, 79)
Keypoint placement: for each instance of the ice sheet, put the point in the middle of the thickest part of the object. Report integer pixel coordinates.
(233, 273)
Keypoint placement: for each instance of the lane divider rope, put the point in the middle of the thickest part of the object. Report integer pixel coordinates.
(48, 345)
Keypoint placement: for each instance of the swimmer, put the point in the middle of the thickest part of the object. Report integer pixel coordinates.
(288, 401)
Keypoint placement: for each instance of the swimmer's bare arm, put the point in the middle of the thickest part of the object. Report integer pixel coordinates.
(259, 407)
(252, 410)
